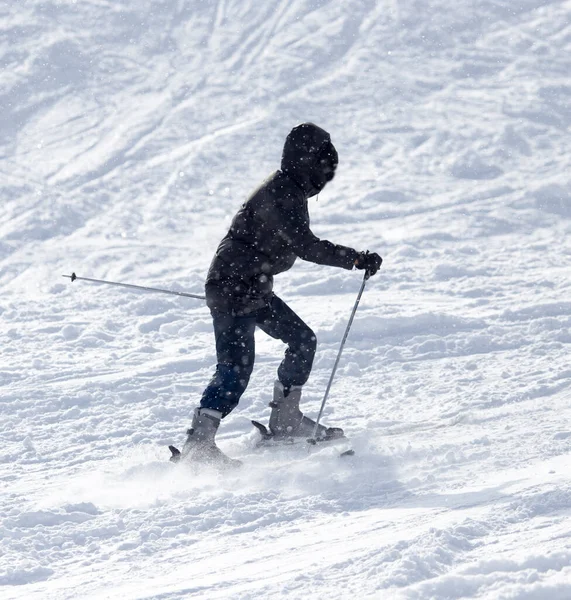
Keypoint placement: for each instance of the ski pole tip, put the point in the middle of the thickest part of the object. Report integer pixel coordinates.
(73, 276)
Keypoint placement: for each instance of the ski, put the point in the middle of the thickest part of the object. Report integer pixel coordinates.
(268, 440)
(176, 457)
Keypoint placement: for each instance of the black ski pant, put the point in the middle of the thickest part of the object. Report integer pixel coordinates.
(235, 352)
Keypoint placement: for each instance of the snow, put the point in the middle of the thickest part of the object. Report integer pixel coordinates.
(131, 133)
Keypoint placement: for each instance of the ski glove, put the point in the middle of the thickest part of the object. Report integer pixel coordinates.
(370, 261)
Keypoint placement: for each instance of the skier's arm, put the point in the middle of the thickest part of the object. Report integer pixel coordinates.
(294, 228)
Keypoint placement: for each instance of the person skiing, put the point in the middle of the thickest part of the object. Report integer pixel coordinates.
(268, 233)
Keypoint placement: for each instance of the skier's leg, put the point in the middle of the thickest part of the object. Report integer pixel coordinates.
(286, 418)
(235, 355)
(280, 322)
(235, 348)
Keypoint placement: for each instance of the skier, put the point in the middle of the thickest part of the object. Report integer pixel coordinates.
(268, 233)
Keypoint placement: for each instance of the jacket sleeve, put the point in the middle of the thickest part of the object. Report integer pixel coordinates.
(294, 229)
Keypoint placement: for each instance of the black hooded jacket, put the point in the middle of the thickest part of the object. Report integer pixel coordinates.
(271, 229)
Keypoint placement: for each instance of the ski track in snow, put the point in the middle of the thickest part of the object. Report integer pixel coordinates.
(131, 132)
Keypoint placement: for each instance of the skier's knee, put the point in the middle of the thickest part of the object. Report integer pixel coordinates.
(308, 344)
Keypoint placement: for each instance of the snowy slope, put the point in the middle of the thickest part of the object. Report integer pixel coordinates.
(131, 132)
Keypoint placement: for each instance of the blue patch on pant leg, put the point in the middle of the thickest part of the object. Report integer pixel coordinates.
(225, 389)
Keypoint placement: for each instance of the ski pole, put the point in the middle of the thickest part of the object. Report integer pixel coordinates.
(313, 439)
(74, 277)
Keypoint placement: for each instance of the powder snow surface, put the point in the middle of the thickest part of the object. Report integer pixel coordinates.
(131, 132)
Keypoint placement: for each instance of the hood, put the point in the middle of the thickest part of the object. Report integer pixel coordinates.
(309, 157)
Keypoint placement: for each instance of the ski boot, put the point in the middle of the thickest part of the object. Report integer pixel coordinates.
(287, 422)
(200, 446)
